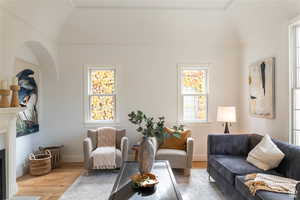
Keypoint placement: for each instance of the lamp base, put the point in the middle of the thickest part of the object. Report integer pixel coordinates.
(226, 131)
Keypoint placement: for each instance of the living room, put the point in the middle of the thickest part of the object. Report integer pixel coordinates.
(146, 48)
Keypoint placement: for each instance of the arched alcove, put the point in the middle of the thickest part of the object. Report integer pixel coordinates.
(35, 56)
(43, 56)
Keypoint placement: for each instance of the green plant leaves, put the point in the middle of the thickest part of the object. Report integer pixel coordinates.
(149, 127)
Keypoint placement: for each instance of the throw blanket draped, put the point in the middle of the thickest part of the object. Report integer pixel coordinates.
(270, 183)
(104, 156)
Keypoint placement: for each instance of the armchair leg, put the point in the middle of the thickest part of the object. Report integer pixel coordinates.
(187, 172)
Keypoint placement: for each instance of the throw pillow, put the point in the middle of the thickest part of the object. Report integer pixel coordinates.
(172, 142)
(266, 155)
(106, 137)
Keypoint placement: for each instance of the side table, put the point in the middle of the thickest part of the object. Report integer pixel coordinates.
(135, 148)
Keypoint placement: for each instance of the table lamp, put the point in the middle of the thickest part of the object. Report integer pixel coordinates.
(226, 114)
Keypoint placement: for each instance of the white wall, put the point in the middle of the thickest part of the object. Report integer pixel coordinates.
(265, 34)
(29, 30)
(147, 45)
(2, 138)
(1, 41)
(29, 143)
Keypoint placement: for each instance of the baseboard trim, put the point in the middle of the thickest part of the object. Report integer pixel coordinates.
(79, 158)
(72, 158)
(200, 157)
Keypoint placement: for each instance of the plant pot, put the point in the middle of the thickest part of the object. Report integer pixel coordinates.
(146, 155)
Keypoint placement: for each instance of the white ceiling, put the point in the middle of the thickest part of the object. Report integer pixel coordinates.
(162, 4)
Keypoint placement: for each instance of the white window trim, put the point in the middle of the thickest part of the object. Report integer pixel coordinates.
(180, 67)
(293, 75)
(94, 123)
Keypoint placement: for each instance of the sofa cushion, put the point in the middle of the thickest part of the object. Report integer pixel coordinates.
(260, 195)
(231, 166)
(172, 142)
(242, 188)
(177, 158)
(266, 155)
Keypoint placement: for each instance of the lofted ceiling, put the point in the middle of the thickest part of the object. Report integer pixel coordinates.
(162, 4)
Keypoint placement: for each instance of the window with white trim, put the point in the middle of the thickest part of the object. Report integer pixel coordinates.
(193, 89)
(296, 84)
(101, 94)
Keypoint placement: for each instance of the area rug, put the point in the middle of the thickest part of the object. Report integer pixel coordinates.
(97, 186)
(25, 198)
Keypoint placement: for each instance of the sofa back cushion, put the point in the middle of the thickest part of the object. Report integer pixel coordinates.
(254, 139)
(235, 145)
(290, 165)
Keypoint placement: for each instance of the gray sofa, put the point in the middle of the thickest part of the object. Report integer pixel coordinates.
(227, 165)
(90, 144)
(179, 159)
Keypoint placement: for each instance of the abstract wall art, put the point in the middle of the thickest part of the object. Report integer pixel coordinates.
(262, 89)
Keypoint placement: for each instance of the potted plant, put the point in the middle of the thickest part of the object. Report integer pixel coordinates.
(149, 127)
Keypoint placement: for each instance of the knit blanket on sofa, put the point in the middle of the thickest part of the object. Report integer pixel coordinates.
(104, 157)
(271, 183)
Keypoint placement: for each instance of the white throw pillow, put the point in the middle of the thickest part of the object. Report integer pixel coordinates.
(266, 155)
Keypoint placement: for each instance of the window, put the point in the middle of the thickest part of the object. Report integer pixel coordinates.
(295, 63)
(193, 90)
(101, 94)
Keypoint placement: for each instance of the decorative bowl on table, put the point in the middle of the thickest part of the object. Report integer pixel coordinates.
(145, 181)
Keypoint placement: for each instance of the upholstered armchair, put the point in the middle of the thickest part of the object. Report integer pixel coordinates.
(179, 159)
(90, 144)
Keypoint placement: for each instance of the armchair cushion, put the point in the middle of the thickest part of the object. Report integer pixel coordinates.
(173, 142)
(118, 158)
(177, 158)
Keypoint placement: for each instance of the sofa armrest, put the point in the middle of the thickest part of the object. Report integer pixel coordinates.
(228, 144)
(189, 151)
(124, 148)
(87, 152)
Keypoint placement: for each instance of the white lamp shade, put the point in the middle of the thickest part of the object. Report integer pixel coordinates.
(226, 114)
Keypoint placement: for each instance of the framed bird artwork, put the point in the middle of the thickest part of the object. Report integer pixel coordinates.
(28, 121)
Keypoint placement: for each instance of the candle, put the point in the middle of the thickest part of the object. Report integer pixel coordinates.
(14, 80)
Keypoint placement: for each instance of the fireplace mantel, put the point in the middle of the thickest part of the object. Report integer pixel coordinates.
(8, 118)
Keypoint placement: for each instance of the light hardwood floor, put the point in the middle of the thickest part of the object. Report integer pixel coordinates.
(53, 185)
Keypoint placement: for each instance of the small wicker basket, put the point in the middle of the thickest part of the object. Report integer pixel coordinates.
(40, 164)
(55, 155)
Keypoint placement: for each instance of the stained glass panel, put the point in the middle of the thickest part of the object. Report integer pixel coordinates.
(102, 107)
(102, 81)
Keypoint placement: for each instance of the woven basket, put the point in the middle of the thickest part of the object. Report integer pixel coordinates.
(40, 164)
(55, 154)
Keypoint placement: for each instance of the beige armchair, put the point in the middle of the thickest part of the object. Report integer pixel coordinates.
(179, 159)
(90, 144)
